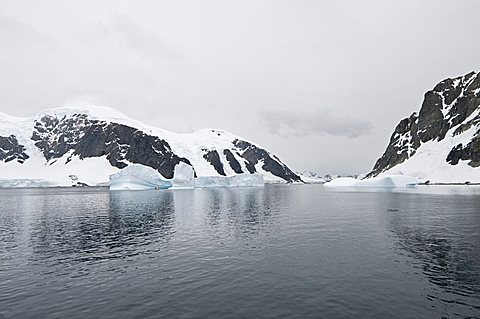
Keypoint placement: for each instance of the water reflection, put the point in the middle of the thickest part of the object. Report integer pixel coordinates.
(242, 215)
(116, 226)
(277, 251)
(446, 247)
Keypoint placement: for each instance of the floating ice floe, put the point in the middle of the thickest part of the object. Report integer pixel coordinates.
(249, 180)
(138, 177)
(389, 181)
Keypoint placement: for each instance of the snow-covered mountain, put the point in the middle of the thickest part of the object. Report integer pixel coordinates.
(70, 145)
(310, 177)
(442, 142)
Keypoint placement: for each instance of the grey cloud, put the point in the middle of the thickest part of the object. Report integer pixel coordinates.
(185, 65)
(319, 123)
(128, 33)
(16, 34)
(20, 40)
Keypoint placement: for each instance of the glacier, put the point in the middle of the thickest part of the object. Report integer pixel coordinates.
(389, 181)
(93, 142)
(183, 177)
(138, 177)
(240, 180)
(23, 183)
(309, 177)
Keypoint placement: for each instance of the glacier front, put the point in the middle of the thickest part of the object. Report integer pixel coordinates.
(248, 180)
(183, 176)
(23, 183)
(138, 177)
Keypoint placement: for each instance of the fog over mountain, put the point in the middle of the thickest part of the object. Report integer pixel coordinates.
(319, 83)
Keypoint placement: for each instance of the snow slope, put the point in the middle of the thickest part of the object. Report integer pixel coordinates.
(69, 145)
(441, 143)
(310, 177)
(429, 164)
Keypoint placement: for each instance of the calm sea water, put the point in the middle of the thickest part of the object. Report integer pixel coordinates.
(273, 252)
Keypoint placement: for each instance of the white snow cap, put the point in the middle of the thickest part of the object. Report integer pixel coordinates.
(95, 171)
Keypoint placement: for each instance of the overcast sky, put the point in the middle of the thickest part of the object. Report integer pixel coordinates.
(322, 84)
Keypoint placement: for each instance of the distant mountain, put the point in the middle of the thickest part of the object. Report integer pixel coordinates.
(442, 142)
(310, 177)
(84, 145)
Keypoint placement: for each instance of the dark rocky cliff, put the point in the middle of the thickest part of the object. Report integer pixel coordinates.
(121, 144)
(11, 150)
(62, 136)
(447, 108)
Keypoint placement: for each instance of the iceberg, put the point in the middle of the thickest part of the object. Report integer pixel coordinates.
(342, 182)
(183, 176)
(138, 177)
(387, 181)
(246, 180)
(240, 180)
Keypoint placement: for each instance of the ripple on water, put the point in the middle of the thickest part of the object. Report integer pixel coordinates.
(278, 251)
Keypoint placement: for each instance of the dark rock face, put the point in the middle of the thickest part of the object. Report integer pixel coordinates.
(61, 138)
(469, 152)
(11, 150)
(214, 159)
(234, 164)
(449, 105)
(430, 117)
(253, 154)
(121, 144)
(403, 144)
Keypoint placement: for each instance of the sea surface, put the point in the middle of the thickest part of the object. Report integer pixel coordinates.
(285, 251)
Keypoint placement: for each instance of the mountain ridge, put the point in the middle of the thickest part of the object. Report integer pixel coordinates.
(441, 142)
(58, 137)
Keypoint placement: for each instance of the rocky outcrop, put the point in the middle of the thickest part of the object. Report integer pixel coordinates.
(403, 144)
(234, 164)
(62, 138)
(11, 150)
(450, 109)
(254, 155)
(469, 152)
(214, 159)
(121, 144)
